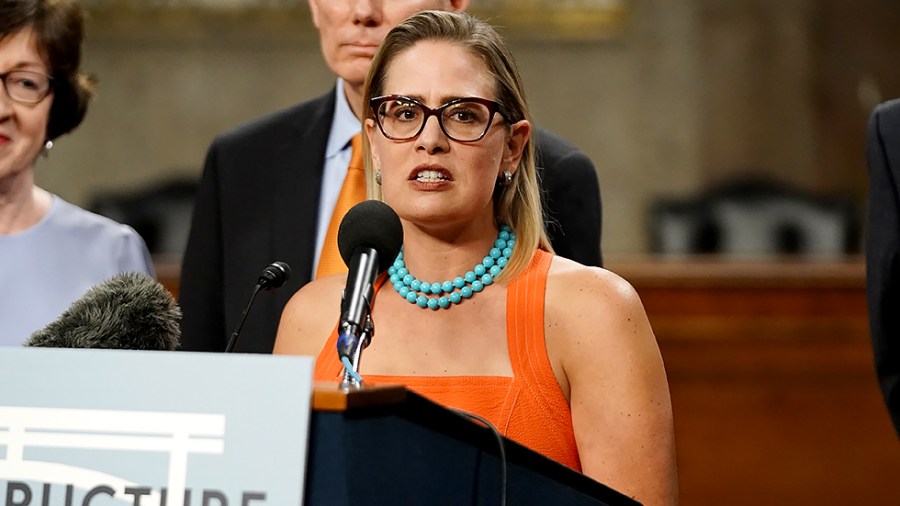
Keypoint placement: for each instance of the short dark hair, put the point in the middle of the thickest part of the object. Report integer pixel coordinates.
(59, 28)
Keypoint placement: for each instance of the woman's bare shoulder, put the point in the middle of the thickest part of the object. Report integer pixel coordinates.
(309, 317)
(592, 310)
(572, 286)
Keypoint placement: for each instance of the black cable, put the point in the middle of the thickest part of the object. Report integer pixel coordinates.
(500, 445)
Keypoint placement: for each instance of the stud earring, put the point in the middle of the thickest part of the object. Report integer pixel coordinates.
(378, 176)
(507, 178)
(45, 151)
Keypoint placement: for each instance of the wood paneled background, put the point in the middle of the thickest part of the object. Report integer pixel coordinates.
(678, 97)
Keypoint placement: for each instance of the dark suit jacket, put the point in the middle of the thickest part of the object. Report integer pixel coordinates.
(258, 201)
(883, 249)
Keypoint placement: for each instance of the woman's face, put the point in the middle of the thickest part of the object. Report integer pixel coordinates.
(23, 127)
(431, 179)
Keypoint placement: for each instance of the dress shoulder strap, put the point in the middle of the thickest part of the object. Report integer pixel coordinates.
(525, 336)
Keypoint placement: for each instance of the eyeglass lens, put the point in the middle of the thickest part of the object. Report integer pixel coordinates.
(25, 86)
(462, 121)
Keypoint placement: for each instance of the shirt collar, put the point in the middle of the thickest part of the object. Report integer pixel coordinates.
(344, 124)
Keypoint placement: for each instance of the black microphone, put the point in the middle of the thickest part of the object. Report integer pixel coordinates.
(130, 311)
(272, 277)
(369, 239)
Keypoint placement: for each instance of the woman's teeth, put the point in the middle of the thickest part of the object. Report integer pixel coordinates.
(430, 176)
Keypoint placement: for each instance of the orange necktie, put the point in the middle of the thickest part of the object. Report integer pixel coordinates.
(353, 191)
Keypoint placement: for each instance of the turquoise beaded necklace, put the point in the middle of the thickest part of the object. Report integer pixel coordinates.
(442, 295)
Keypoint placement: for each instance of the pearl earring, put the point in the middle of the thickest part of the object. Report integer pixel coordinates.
(45, 151)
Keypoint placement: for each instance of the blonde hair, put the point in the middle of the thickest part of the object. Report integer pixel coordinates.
(517, 204)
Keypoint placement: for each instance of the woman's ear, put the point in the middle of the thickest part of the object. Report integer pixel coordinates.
(519, 135)
(373, 184)
(371, 130)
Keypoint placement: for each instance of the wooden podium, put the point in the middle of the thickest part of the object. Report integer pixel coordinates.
(388, 445)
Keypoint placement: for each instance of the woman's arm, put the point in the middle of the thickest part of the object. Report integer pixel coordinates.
(613, 376)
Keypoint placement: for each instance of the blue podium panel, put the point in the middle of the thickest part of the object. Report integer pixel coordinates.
(145, 428)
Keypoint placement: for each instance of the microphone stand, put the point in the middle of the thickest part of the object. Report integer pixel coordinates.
(234, 336)
(356, 327)
(351, 349)
(272, 277)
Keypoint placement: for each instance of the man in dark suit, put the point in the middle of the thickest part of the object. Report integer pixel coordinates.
(269, 187)
(883, 249)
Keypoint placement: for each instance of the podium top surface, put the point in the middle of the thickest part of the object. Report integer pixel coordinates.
(332, 397)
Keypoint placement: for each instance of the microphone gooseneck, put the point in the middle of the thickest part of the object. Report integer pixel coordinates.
(272, 277)
(369, 239)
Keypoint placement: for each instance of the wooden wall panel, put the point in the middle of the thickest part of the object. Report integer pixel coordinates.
(772, 381)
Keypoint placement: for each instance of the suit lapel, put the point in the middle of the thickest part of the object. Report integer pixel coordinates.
(300, 162)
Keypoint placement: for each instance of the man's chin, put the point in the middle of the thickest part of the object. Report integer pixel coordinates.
(354, 73)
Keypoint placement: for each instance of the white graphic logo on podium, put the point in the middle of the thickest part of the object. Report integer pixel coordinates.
(143, 433)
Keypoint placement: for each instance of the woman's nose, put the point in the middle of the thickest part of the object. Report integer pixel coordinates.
(432, 138)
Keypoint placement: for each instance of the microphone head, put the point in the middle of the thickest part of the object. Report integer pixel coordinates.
(274, 276)
(130, 311)
(374, 224)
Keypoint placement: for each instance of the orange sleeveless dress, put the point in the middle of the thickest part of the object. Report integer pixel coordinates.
(528, 407)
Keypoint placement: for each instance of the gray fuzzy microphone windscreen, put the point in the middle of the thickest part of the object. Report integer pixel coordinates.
(130, 311)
